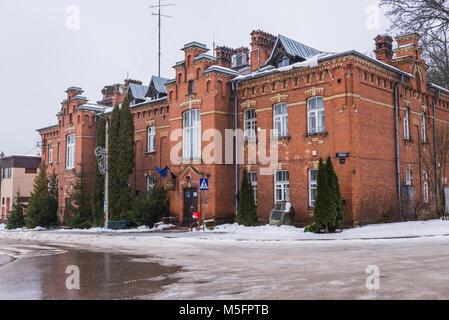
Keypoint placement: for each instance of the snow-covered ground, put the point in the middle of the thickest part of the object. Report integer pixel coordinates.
(267, 232)
(234, 262)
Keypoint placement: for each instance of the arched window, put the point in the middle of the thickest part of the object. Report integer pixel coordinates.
(406, 124)
(198, 73)
(191, 135)
(423, 127)
(50, 153)
(280, 120)
(70, 156)
(151, 141)
(315, 115)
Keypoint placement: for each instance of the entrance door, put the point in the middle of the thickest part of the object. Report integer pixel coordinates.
(190, 205)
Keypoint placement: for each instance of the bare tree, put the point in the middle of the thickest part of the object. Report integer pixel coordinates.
(427, 156)
(429, 19)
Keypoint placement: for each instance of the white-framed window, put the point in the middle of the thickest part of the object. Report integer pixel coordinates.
(252, 176)
(406, 124)
(7, 173)
(280, 120)
(191, 135)
(408, 177)
(70, 157)
(423, 127)
(151, 139)
(50, 153)
(281, 186)
(315, 115)
(250, 124)
(426, 187)
(151, 183)
(313, 185)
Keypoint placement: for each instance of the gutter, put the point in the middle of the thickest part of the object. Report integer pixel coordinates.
(235, 86)
(435, 143)
(396, 133)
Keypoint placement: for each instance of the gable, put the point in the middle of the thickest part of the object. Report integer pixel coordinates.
(291, 49)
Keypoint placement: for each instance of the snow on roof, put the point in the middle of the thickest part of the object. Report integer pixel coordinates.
(79, 98)
(313, 62)
(91, 107)
(222, 70)
(195, 44)
(138, 91)
(204, 56)
(435, 86)
(46, 128)
(74, 89)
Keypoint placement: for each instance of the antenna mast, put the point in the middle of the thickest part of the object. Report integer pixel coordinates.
(160, 26)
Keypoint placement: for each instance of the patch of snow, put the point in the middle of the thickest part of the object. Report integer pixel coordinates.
(141, 229)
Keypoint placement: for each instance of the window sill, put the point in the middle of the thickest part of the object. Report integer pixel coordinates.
(191, 95)
(248, 141)
(318, 134)
(287, 137)
(409, 141)
(149, 153)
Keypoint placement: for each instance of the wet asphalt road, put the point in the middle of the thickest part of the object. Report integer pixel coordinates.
(34, 271)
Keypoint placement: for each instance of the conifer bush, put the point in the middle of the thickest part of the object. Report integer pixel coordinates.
(247, 215)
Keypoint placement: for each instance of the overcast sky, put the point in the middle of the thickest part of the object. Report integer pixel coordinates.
(42, 52)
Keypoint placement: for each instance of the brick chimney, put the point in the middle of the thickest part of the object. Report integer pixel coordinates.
(384, 48)
(262, 44)
(408, 46)
(224, 56)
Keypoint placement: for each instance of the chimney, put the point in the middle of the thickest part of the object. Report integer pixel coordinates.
(262, 44)
(384, 48)
(408, 45)
(224, 56)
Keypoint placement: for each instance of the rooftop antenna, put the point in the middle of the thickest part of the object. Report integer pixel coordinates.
(213, 45)
(158, 6)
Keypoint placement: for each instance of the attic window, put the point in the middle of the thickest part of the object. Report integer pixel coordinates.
(285, 61)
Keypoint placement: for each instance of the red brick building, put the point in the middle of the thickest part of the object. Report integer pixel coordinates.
(373, 117)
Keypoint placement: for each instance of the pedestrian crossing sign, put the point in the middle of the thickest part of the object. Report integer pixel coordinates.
(204, 184)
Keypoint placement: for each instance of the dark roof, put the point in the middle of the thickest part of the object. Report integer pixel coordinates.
(46, 128)
(205, 56)
(74, 89)
(293, 48)
(159, 84)
(16, 161)
(195, 44)
(138, 91)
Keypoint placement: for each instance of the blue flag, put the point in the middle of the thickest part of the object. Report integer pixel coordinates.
(164, 172)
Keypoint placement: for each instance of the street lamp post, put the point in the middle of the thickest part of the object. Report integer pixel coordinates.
(106, 177)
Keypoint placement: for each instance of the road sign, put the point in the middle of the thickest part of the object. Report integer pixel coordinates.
(196, 215)
(204, 184)
(343, 155)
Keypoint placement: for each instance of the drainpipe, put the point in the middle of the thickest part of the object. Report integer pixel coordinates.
(396, 129)
(235, 88)
(435, 143)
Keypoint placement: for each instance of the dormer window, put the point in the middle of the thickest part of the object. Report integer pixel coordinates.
(285, 61)
(239, 60)
(155, 96)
